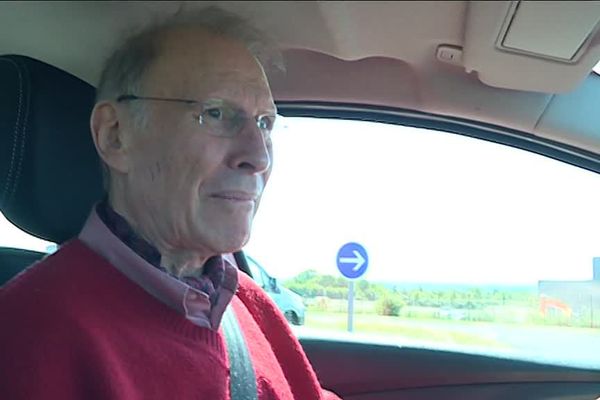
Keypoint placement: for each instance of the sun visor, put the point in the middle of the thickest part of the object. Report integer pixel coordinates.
(546, 29)
(545, 46)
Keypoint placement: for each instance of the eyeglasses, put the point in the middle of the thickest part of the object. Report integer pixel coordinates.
(220, 117)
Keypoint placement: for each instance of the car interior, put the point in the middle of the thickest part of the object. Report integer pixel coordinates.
(518, 73)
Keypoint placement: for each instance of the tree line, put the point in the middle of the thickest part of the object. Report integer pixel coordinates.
(311, 284)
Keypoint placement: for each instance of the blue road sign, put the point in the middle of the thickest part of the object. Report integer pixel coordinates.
(352, 260)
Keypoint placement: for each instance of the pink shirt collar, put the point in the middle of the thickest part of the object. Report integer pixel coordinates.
(190, 302)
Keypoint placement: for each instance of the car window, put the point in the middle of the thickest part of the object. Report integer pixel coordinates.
(12, 236)
(468, 245)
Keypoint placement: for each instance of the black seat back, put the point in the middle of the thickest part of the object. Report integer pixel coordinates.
(49, 170)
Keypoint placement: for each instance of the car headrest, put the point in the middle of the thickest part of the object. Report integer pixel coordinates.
(50, 174)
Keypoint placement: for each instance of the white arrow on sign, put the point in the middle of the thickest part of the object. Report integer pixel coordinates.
(358, 259)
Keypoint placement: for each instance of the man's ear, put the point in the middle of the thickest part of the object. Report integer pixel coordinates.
(108, 136)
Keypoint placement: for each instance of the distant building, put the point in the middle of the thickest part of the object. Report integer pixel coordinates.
(579, 301)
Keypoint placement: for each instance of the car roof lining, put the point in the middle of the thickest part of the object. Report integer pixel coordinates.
(381, 53)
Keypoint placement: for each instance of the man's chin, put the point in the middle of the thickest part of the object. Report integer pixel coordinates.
(230, 242)
(236, 246)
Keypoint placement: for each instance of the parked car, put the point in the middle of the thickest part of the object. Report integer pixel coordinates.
(290, 303)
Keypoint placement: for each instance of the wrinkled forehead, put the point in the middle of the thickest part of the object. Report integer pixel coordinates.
(196, 65)
(234, 87)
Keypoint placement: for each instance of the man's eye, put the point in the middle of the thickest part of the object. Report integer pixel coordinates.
(215, 113)
(266, 122)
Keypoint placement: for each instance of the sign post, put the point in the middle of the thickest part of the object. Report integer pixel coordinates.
(350, 306)
(352, 262)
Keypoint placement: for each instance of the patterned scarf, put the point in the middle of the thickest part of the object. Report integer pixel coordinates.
(213, 271)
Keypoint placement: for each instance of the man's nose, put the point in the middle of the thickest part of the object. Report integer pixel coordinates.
(251, 152)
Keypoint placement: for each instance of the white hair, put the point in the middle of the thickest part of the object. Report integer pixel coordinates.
(123, 72)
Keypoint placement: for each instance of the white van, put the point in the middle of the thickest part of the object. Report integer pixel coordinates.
(290, 303)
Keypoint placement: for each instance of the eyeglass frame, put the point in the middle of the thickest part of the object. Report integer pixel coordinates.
(257, 118)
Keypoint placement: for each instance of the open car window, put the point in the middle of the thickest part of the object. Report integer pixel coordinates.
(472, 246)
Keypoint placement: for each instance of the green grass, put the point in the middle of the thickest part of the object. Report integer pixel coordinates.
(514, 313)
(444, 332)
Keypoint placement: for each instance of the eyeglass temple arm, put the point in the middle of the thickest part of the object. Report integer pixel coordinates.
(132, 97)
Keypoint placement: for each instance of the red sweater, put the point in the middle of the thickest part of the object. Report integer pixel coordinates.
(74, 327)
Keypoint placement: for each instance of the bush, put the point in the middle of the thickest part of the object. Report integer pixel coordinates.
(389, 305)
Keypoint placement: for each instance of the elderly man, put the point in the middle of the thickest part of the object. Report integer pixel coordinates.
(133, 308)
